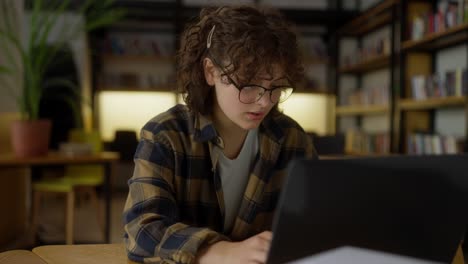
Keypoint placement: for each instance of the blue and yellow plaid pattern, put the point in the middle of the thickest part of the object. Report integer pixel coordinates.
(175, 202)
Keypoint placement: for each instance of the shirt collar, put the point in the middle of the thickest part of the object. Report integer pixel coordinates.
(204, 129)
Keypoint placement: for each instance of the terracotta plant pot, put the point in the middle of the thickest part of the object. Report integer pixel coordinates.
(30, 138)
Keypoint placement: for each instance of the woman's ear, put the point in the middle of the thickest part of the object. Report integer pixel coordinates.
(209, 70)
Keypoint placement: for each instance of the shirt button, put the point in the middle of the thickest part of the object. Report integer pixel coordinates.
(220, 142)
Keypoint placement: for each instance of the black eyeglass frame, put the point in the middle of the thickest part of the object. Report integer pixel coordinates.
(240, 88)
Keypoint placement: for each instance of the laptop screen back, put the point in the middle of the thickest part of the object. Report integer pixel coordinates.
(408, 205)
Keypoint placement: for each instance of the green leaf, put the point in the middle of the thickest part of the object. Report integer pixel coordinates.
(36, 56)
(7, 85)
(43, 52)
(4, 69)
(106, 19)
(5, 44)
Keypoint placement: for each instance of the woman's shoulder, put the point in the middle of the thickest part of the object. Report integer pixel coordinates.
(285, 122)
(177, 118)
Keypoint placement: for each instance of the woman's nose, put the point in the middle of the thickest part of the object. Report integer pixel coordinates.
(265, 99)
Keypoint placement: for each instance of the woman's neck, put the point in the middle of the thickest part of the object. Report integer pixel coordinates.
(232, 135)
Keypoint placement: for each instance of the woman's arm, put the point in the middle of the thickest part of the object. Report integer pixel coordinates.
(153, 231)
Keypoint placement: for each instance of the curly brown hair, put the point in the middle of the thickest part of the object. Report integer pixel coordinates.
(248, 39)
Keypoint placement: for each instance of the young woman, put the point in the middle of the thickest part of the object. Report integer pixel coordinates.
(208, 175)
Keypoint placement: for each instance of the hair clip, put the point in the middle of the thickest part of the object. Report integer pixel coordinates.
(210, 36)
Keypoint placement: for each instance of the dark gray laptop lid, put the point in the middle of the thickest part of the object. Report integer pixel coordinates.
(408, 205)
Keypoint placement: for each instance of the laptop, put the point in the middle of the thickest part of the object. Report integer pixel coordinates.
(413, 206)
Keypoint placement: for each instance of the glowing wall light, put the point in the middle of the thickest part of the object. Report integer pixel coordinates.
(314, 112)
(129, 110)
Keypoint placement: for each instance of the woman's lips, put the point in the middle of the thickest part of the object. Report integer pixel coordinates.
(255, 115)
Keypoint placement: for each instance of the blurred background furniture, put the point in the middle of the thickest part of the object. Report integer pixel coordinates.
(125, 143)
(107, 159)
(77, 180)
(329, 144)
(14, 194)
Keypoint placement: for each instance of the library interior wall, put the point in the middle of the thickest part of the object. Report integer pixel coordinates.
(129, 110)
(314, 112)
(7, 101)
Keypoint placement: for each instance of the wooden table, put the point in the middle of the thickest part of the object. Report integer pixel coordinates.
(83, 254)
(20, 256)
(111, 253)
(107, 159)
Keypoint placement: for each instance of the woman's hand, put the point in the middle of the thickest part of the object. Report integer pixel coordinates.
(252, 250)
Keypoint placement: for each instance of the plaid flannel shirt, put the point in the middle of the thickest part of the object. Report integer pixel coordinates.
(175, 202)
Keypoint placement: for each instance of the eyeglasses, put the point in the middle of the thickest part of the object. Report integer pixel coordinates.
(251, 93)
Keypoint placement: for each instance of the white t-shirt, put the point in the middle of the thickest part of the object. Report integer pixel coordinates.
(234, 175)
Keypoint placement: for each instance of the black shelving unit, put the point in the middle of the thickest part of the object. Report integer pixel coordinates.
(383, 13)
(427, 46)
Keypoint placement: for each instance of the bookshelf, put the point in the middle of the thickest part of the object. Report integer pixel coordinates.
(374, 63)
(358, 99)
(136, 72)
(121, 70)
(370, 20)
(111, 58)
(427, 89)
(146, 18)
(431, 103)
(362, 110)
(439, 40)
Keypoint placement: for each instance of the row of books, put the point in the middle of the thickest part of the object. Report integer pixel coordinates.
(138, 44)
(375, 49)
(313, 48)
(423, 143)
(134, 81)
(378, 95)
(367, 143)
(449, 13)
(452, 83)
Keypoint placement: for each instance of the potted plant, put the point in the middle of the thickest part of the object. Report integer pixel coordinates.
(30, 135)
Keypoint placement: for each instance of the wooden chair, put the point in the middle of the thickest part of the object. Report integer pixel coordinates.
(76, 180)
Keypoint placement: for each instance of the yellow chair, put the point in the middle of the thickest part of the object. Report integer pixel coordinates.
(76, 179)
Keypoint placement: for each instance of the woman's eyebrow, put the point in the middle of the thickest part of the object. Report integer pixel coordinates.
(281, 78)
(269, 78)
